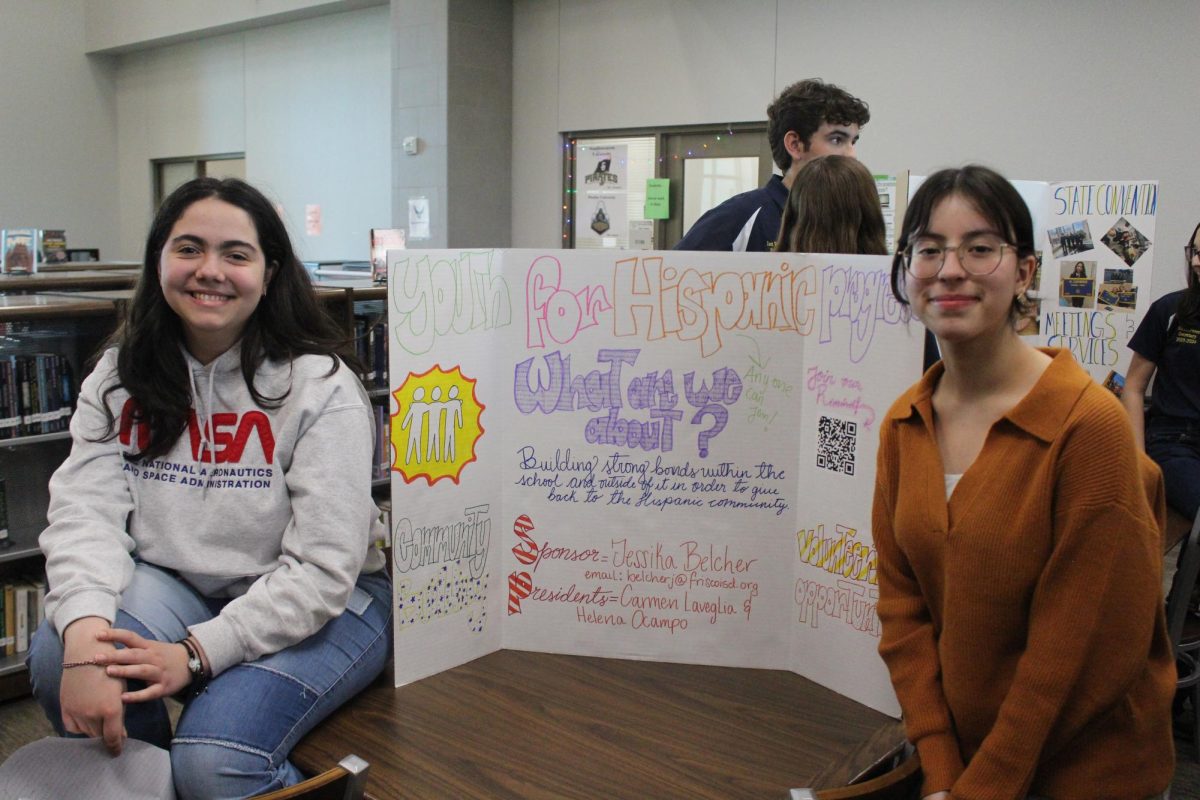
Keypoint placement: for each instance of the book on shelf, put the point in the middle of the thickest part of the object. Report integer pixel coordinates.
(370, 342)
(37, 394)
(83, 254)
(19, 251)
(23, 604)
(10, 618)
(39, 597)
(357, 270)
(23, 590)
(4, 540)
(383, 444)
(54, 246)
(5, 635)
(382, 240)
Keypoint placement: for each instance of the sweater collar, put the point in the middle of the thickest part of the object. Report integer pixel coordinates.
(1040, 413)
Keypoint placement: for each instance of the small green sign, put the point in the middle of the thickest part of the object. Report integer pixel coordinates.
(658, 198)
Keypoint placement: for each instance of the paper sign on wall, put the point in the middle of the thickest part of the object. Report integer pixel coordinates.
(418, 218)
(658, 198)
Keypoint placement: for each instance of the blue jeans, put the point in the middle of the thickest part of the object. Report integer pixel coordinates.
(1175, 447)
(233, 740)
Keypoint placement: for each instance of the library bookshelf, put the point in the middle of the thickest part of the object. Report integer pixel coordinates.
(73, 325)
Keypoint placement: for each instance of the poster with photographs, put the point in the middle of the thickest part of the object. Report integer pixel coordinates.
(601, 217)
(1097, 266)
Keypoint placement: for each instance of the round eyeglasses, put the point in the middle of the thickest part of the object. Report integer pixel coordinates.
(978, 255)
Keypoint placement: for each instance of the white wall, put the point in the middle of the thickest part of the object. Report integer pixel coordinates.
(1079, 89)
(58, 130)
(308, 102)
(117, 26)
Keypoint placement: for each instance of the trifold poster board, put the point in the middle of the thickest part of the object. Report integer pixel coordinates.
(1096, 240)
(665, 456)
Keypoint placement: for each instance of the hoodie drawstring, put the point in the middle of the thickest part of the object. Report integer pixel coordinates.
(204, 416)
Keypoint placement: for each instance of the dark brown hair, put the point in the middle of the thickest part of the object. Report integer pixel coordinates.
(1189, 304)
(803, 107)
(993, 197)
(288, 321)
(833, 207)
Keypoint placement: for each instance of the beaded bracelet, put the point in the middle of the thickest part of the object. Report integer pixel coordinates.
(91, 662)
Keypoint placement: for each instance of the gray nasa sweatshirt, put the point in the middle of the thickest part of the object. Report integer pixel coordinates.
(271, 507)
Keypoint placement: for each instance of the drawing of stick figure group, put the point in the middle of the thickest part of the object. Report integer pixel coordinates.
(440, 417)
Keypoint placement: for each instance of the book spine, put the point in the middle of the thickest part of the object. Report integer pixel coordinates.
(39, 593)
(10, 619)
(23, 591)
(43, 407)
(381, 354)
(4, 630)
(26, 397)
(68, 390)
(7, 422)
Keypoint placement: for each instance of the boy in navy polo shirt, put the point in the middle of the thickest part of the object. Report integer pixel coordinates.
(810, 118)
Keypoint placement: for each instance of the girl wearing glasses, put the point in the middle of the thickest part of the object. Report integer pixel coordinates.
(1166, 347)
(1019, 564)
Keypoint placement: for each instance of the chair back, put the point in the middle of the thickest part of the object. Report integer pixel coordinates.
(346, 781)
(901, 783)
(56, 767)
(1183, 583)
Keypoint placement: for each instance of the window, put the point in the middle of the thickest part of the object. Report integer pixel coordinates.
(171, 173)
(605, 174)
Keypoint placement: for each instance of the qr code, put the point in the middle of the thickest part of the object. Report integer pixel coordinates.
(837, 441)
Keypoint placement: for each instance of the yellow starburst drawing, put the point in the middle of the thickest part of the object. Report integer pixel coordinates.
(436, 426)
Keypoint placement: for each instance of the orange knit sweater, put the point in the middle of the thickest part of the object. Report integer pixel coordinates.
(1023, 621)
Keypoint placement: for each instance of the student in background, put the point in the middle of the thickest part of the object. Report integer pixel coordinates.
(833, 207)
(810, 118)
(1019, 567)
(1166, 347)
(210, 533)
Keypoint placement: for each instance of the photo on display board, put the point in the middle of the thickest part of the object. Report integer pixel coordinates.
(1126, 241)
(1077, 283)
(1067, 240)
(1115, 382)
(1117, 290)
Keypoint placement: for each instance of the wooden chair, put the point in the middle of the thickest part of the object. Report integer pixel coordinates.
(346, 781)
(1186, 642)
(902, 782)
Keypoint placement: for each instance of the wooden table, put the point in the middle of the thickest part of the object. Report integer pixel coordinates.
(536, 726)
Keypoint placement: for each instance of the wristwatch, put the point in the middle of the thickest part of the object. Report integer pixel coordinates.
(195, 666)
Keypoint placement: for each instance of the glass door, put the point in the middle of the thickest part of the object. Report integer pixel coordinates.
(707, 168)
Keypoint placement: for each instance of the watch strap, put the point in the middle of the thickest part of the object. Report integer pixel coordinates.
(195, 665)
